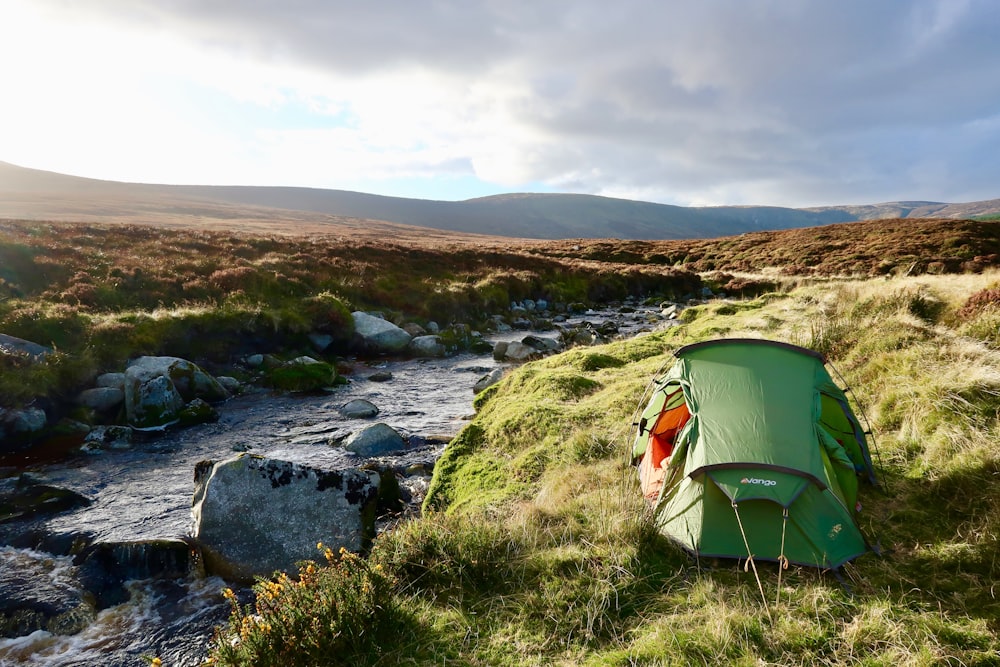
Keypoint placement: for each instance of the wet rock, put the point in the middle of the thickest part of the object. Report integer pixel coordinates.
(375, 440)
(103, 438)
(390, 499)
(481, 346)
(414, 329)
(231, 384)
(380, 376)
(255, 360)
(152, 402)
(255, 515)
(28, 496)
(488, 380)
(197, 412)
(157, 388)
(18, 428)
(320, 341)
(521, 324)
(101, 399)
(519, 352)
(433, 327)
(106, 566)
(70, 429)
(586, 337)
(29, 421)
(500, 350)
(427, 346)
(608, 328)
(40, 592)
(358, 409)
(115, 380)
(378, 335)
(541, 343)
(302, 374)
(669, 311)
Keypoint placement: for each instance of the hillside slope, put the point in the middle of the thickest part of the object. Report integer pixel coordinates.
(39, 195)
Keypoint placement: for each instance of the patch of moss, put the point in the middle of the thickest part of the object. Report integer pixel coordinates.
(593, 361)
(302, 376)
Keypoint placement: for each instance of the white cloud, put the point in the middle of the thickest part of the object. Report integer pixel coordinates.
(715, 102)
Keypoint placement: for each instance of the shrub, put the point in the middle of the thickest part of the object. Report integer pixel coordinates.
(340, 613)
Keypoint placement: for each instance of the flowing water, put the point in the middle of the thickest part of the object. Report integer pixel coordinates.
(144, 493)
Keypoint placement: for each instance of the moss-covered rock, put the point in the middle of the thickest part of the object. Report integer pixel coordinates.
(302, 374)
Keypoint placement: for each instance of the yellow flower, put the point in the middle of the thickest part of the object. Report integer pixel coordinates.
(319, 545)
(156, 662)
(228, 594)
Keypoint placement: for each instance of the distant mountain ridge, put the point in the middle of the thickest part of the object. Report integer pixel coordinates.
(34, 194)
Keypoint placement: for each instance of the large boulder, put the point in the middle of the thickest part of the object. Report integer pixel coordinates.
(375, 440)
(18, 428)
(157, 389)
(110, 380)
(101, 399)
(255, 515)
(488, 380)
(378, 335)
(428, 346)
(359, 408)
(302, 374)
(518, 352)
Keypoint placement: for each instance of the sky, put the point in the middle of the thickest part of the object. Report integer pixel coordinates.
(694, 102)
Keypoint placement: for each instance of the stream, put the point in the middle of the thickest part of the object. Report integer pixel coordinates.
(144, 493)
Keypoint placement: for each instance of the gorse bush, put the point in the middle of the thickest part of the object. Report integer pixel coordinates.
(341, 612)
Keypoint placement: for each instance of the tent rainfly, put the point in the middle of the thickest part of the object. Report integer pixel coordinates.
(747, 448)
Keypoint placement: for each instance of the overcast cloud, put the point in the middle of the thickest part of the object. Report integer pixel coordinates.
(784, 102)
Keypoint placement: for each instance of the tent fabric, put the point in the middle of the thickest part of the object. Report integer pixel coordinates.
(749, 439)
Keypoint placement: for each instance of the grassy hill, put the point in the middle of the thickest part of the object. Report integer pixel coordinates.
(40, 195)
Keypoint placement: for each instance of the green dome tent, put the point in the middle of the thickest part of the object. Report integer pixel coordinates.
(748, 448)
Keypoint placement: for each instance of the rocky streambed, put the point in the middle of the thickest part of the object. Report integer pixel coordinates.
(110, 574)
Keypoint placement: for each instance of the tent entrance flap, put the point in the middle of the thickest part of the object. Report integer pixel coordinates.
(740, 484)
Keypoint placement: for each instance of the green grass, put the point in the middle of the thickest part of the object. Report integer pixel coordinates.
(535, 549)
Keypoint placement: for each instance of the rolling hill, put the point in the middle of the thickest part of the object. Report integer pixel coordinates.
(40, 195)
